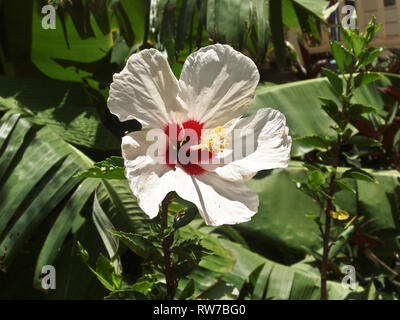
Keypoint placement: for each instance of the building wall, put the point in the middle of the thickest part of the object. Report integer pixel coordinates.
(385, 11)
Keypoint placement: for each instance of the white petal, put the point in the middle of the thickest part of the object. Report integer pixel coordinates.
(149, 181)
(219, 201)
(266, 130)
(217, 84)
(146, 90)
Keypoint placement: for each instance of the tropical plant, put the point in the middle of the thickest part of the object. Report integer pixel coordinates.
(59, 198)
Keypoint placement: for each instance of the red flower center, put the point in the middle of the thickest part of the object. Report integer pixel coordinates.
(181, 138)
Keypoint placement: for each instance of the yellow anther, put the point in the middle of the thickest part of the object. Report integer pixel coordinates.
(215, 140)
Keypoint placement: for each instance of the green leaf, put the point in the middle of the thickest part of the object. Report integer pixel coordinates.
(339, 215)
(371, 29)
(103, 226)
(55, 184)
(189, 249)
(318, 9)
(64, 106)
(364, 141)
(128, 294)
(313, 217)
(104, 272)
(331, 109)
(276, 24)
(111, 168)
(184, 217)
(120, 51)
(340, 185)
(220, 261)
(364, 78)
(62, 227)
(358, 43)
(301, 104)
(51, 201)
(315, 180)
(7, 126)
(340, 242)
(145, 284)
(262, 279)
(84, 255)
(187, 291)
(370, 291)
(335, 80)
(315, 141)
(359, 174)
(342, 56)
(353, 40)
(356, 110)
(267, 231)
(368, 55)
(185, 20)
(346, 34)
(16, 139)
(137, 243)
(276, 281)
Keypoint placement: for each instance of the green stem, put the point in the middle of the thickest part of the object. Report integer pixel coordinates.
(330, 205)
(166, 245)
(326, 234)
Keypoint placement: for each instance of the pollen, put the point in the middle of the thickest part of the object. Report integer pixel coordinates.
(215, 140)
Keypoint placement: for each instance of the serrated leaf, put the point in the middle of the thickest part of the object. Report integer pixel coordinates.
(364, 78)
(183, 268)
(371, 29)
(340, 185)
(368, 55)
(315, 141)
(145, 284)
(189, 249)
(358, 42)
(359, 109)
(111, 168)
(187, 291)
(342, 56)
(340, 242)
(359, 174)
(331, 108)
(364, 141)
(334, 80)
(137, 243)
(104, 272)
(104, 269)
(353, 40)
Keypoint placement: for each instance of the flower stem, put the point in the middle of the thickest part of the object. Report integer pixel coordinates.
(166, 245)
(330, 205)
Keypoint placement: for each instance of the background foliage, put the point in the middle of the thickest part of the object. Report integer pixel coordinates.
(55, 124)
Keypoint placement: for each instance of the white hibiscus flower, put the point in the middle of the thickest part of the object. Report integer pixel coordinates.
(216, 86)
